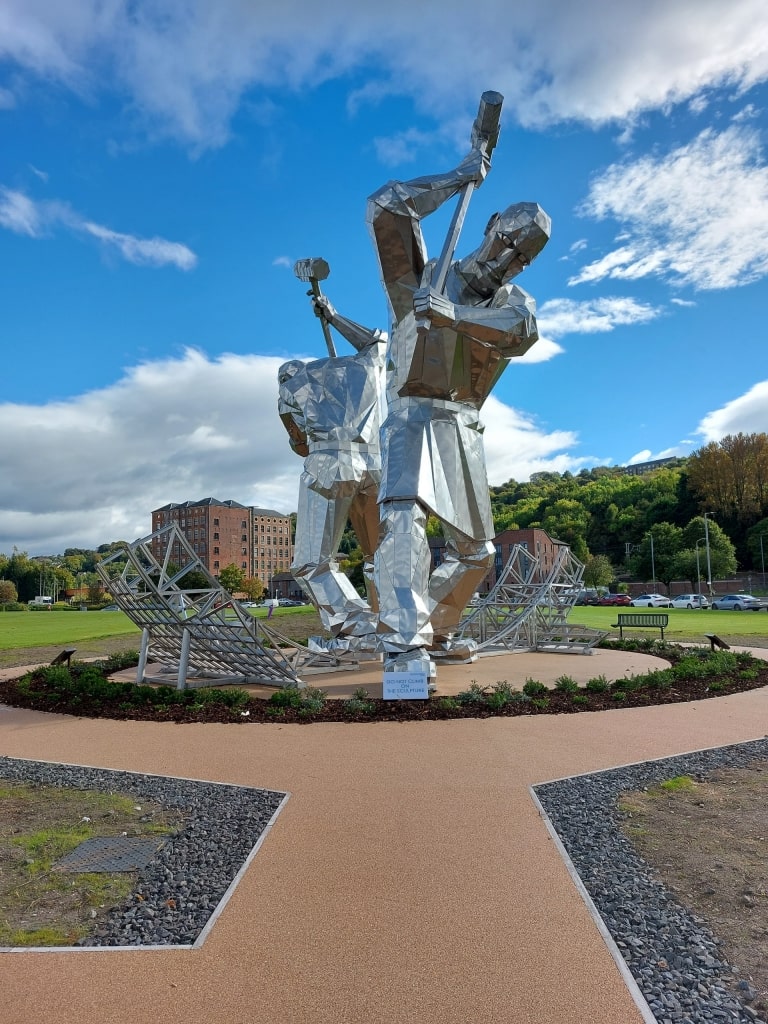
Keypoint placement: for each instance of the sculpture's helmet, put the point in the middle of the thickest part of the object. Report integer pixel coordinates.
(513, 239)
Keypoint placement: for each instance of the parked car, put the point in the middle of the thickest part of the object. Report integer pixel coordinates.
(736, 603)
(690, 601)
(587, 597)
(288, 602)
(650, 601)
(615, 599)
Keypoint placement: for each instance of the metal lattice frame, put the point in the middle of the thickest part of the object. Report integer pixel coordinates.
(527, 612)
(199, 630)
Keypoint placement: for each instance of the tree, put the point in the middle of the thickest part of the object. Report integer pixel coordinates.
(8, 592)
(232, 578)
(656, 558)
(757, 541)
(731, 476)
(253, 588)
(598, 571)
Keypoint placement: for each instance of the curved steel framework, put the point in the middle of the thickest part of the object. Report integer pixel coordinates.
(198, 629)
(527, 610)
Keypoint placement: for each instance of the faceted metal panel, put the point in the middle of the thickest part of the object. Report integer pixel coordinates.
(110, 853)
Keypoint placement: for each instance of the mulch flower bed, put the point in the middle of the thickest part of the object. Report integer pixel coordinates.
(87, 691)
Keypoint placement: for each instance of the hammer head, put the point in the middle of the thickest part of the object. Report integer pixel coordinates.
(313, 269)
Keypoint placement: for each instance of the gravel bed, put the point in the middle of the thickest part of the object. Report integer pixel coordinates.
(673, 956)
(185, 883)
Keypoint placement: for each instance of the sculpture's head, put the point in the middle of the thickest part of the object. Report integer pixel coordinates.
(289, 370)
(513, 239)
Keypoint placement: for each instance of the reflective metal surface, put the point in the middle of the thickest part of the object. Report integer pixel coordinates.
(449, 344)
(331, 410)
(446, 352)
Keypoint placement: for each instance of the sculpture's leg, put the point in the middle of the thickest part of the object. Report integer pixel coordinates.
(456, 579)
(320, 524)
(364, 516)
(401, 569)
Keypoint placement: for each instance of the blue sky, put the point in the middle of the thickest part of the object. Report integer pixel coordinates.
(163, 164)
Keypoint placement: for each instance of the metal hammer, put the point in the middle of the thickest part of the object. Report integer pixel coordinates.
(315, 270)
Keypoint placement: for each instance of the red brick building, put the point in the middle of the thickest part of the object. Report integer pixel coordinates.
(222, 533)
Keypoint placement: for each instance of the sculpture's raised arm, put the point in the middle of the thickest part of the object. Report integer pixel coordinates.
(358, 336)
(394, 220)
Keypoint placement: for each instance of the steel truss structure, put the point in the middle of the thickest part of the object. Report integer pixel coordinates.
(198, 631)
(527, 610)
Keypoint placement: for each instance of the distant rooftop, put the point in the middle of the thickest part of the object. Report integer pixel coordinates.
(196, 504)
(268, 512)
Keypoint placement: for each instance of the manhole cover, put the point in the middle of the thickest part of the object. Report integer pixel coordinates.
(110, 853)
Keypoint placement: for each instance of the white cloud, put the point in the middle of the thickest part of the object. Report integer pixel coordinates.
(25, 216)
(515, 446)
(186, 66)
(152, 252)
(90, 470)
(697, 216)
(19, 214)
(282, 261)
(559, 317)
(646, 455)
(747, 414)
(7, 99)
(685, 303)
(544, 350)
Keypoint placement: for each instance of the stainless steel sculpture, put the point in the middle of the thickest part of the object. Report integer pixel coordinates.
(331, 410)
(448, 348)
(455, 327)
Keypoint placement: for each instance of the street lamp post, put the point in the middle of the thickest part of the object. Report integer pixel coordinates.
(762, 556)
(709, 560)
(698, 570)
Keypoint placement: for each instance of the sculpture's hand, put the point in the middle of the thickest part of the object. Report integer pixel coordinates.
(323, 308)
(474, 167)
(431, 305)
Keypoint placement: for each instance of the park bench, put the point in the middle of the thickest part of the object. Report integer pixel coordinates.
(64, 657)
(641, 620)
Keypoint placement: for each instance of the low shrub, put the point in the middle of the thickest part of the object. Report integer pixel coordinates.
(566, 684)
(533, 688)
(359, 703)
(476, 694)
(598, 684)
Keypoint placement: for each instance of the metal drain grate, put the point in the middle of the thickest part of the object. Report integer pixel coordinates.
(110, 853)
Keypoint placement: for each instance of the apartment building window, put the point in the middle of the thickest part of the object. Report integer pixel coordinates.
(215, 536)
(244, 551)
(243, 565)
(215, 565)
(244, 537)
(243, 525)
(215, 551)
(215, 522)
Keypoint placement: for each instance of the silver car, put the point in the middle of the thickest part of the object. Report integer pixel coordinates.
(651, 601)
(736, 603)
(690, 601)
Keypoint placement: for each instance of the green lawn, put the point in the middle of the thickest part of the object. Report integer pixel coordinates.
(43, 629)
(684, 623)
